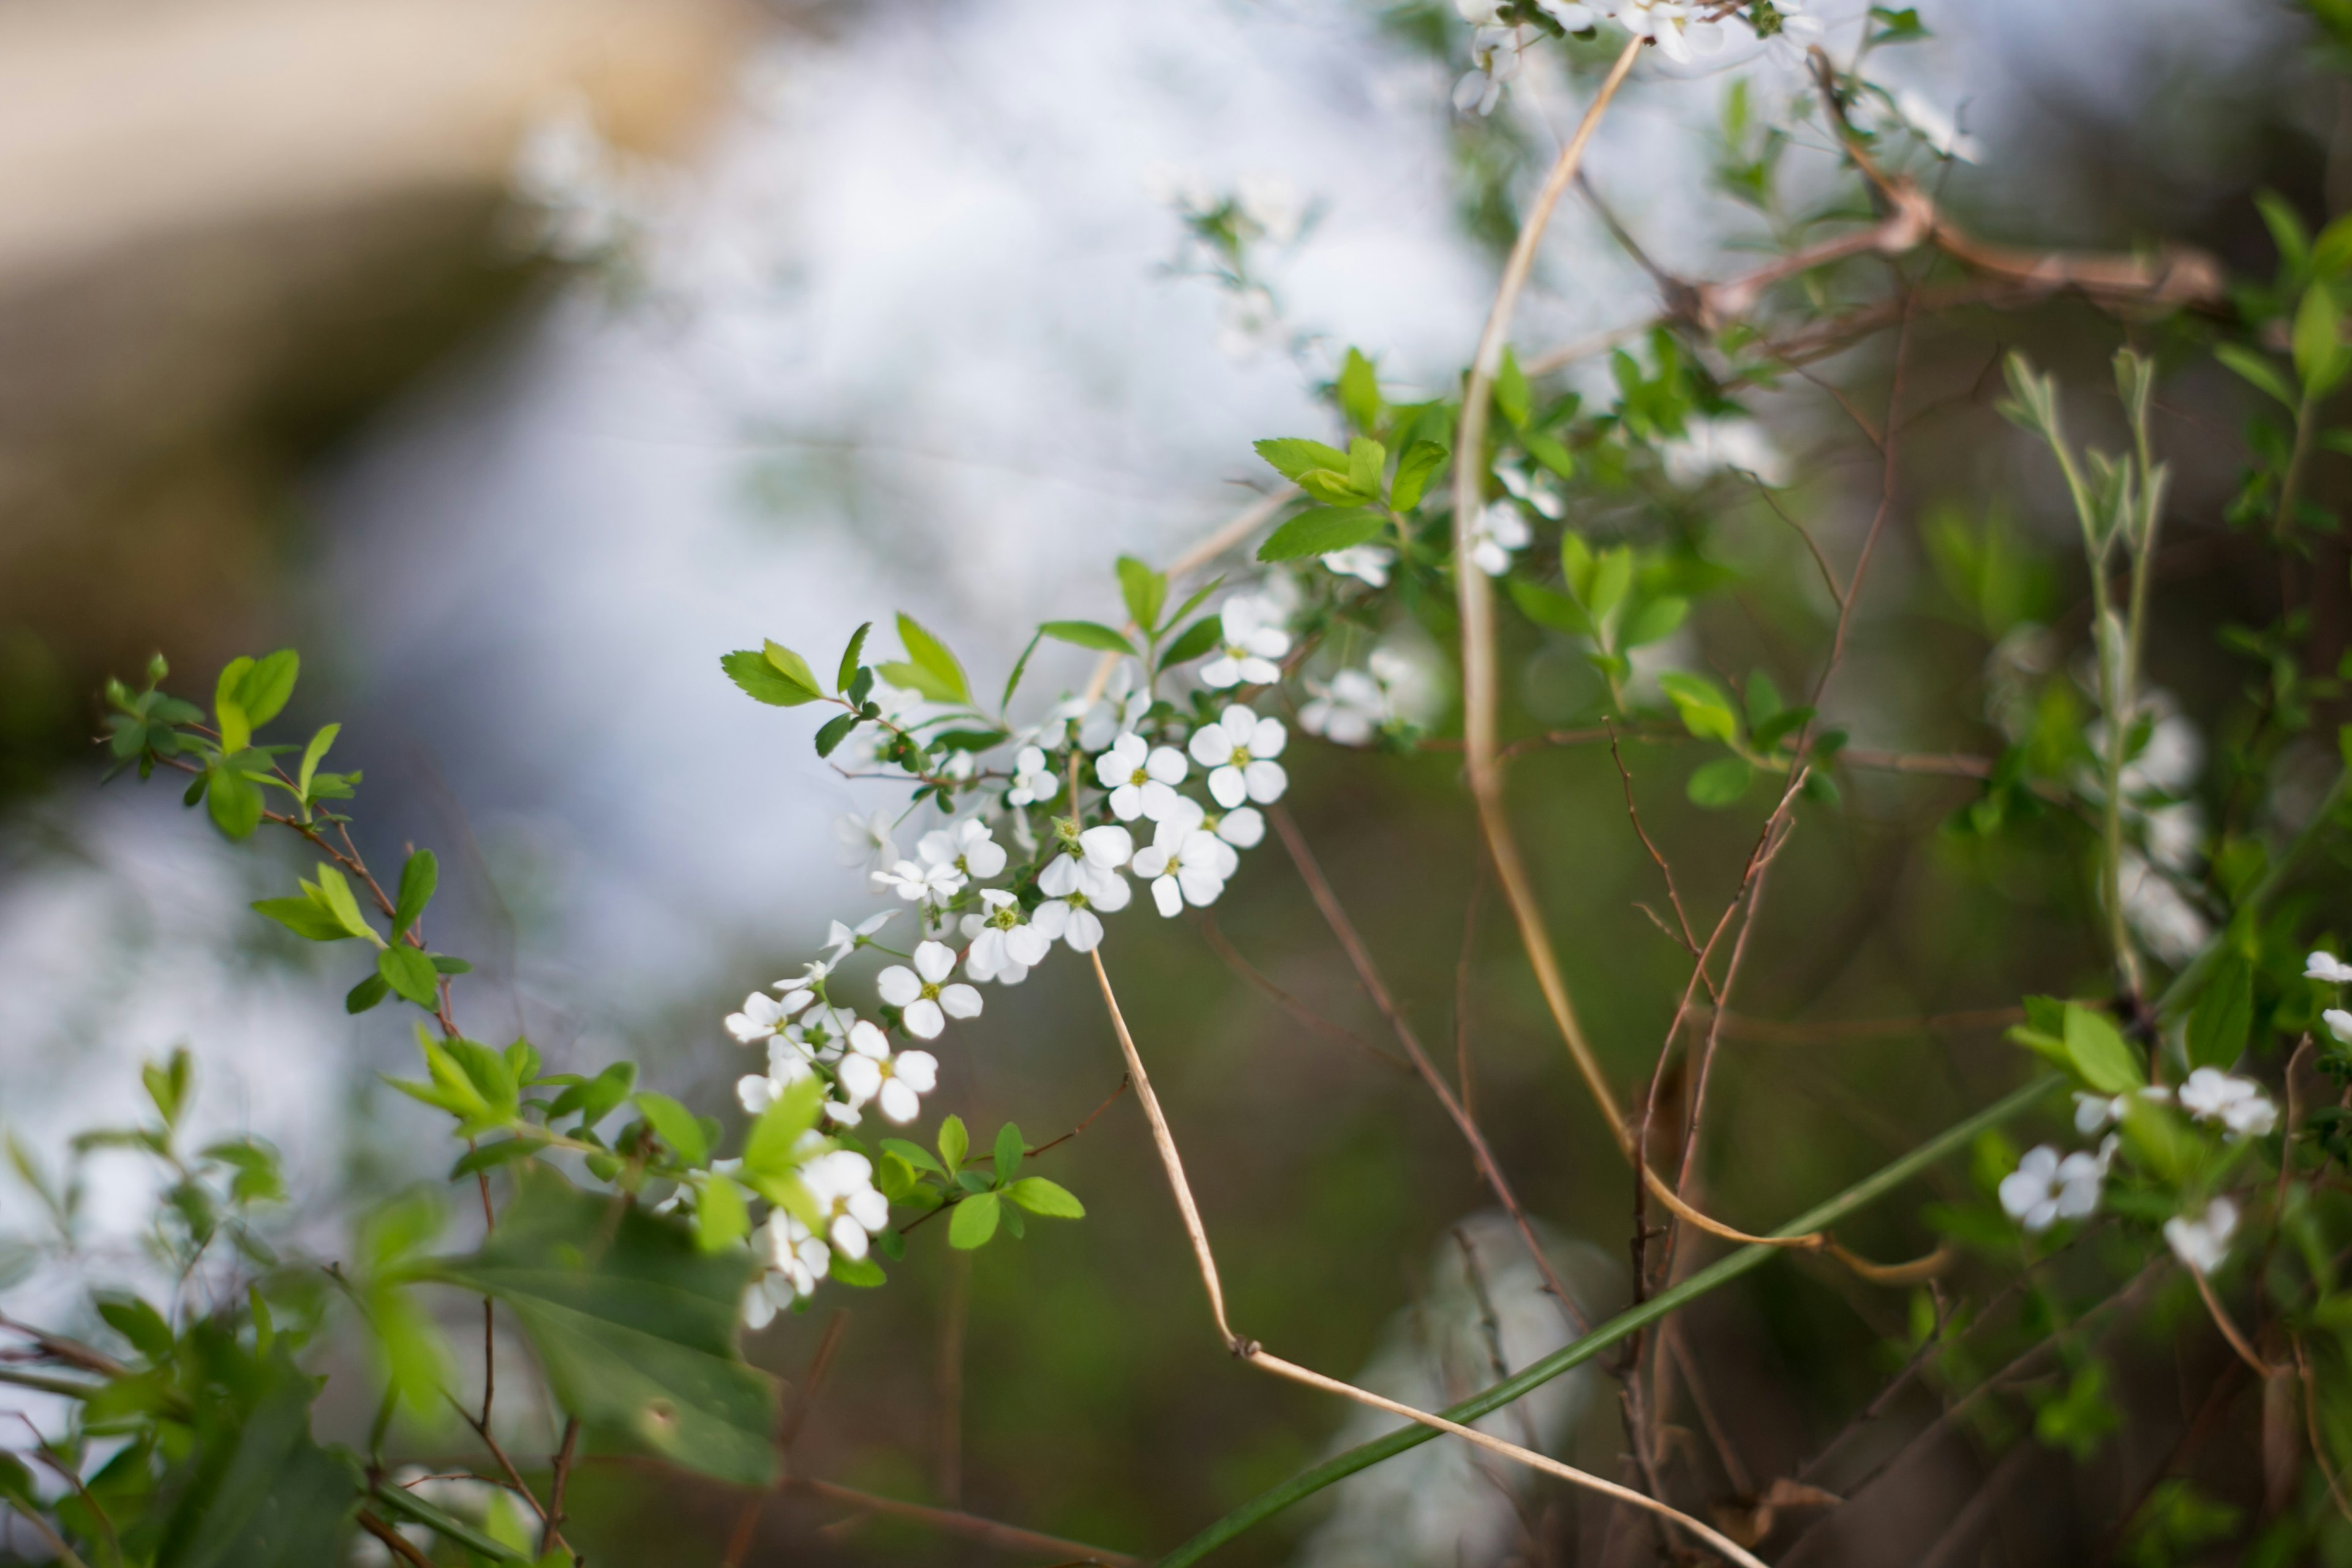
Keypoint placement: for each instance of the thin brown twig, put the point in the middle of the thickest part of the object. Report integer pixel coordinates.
(1109, 1100)
(565, 1452)
(2223, 1322)
(1289, 1004)
(971, 1527)
(398, 1544)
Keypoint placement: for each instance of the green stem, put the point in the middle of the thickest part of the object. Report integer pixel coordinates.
(1721, 1272)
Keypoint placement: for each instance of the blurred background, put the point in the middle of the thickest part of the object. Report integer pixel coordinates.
(514, 359)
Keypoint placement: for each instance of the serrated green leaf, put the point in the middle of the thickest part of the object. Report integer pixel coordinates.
(1291, 457)
(1360, 392)
(792, 668)
(634, 1325)
(763, 681)
(1088, 633)
(1040, 1197)
(973, 1222)
(1367, 459)
(931, 655)
(1320, 531)
(1422, 460)
(1334, 487)
(848, 670)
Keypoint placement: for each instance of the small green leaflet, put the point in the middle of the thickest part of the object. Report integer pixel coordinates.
(2099, 1053)
(1051, 1199)
(409, 972)
(1088, 633)
(973, 1222)
(1193, 642)
(928, 668)
(1706, 712)
(2222, 1019)
(1145, 591)
(677, 1125)
(1421, 461)
(1720, 783)
(834, 732)
(1320, 531)
(1511, 390)
(1359, 391)
(764, 682)
(418, 878)
(1290, 456)
(721, 1217)
(848, 670)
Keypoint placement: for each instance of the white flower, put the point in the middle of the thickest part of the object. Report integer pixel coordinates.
(1243, 827)
(1939, 130)
(2204, 1242)
(1572, 16)
(1494, 61)
(1538, 493)
(2340, 1024)
(966, 847)
(1253, 640)
(913, 879)
(763, 1015)
(894, 1084)
(2238, 1103)
(2174, 928)
(1367, 561)
(1239, 750)
(2327, 967)
(2093, 1112)
(841, 940)
(1679, 35)
(1494, 533)
(1118, 710)
(1478, 12)
(922, 995)
(1791, 34)
(865, 840)
(1078, 884)
(1141, 777)
(820, 1032)
(2045, 1189)
(793, 1259)
(842, 1182)
(1273, 204)
(1004, 946)
(1348, 711)
(1184, 863)
(1034, 782)
(1710, 446)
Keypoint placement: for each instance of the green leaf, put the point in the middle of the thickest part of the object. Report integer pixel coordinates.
(333, 893)
(1009, 1150)
(915, 1154)
(236, 726)
(1088, 633)
(2331, 253)
(1720, 783)
(954, 1142)
(721, 1217)
(402, 1503)
(1291, 457)
(366, 994)
(1366, 461)
(262, 691)
(1413, 471)
(1193, 642)
(945, 678)
(763, 681)
(418, 878)
(676, 1126)
(1549, 607)
(595, 1099)
(233, 802)
(848, 670)
(793, 668)
(1145, 591)
(259, 1492)
(633, 1323)
(1656, 618)
(305, 918)
(2223, 1017)
(2294, 241)
(834, 732)
(973, 1222)
(768, 1149)
(2256, 369)
(312, 755)
(1359, 391)
(861, 1272)
(1020, 667)
(410, 973)
(1612, 577)
(139, 1323)
(167, 1085)
(1320, 531)
(2099, 1053)
(1511, 390)
(1334, 487)
(490, 1156)
(2320, 358)
(1549, 452)
(1041, 1196)
(1706, 711)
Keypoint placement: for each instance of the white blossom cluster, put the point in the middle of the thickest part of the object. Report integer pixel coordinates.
(1684, 31)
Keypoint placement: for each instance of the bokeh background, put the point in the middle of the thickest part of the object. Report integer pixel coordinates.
(515, 359)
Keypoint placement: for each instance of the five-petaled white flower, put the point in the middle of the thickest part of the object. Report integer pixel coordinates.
(1184, 863)
(931, 881)
(1494, 62)
(820, 1032)
(1118, 710)
(1034, 782)
(865, 840)
(2327, 967)
(1252, 638)
(1497, 531)
(1078, 883)
(1005, 945)
(793, 1259)
(1348, 711)
(894, 1084)
(2204, 1242)
(842, 1182)
(2045, 1189)
(922, 995)
(764, 1016)
(966, 847)
(1668, 24)
(1370, 562)
(842, 941)
(1141, 777)
(1239, 749)
(2209, 1094)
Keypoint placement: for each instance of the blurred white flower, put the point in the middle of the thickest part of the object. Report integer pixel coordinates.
(2174, 928)
(922, 995)
(1141, 777)
(1939, 130)
(1709, 445)
(1348, 711)
(865, 840)
(1538, 492)
(1494, 62)
(2327, 967)
(2045, 1189)
(2204, 1242)
(842, 1182)
(2340, 1024)
(2209, 1094)
(931, 881)
(1251, 639)
(1494, 535)
(1273, 204)
(792, 1259)
(1678, 35)
(2093, 1112)
(1239, 750)
(1370, 563)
